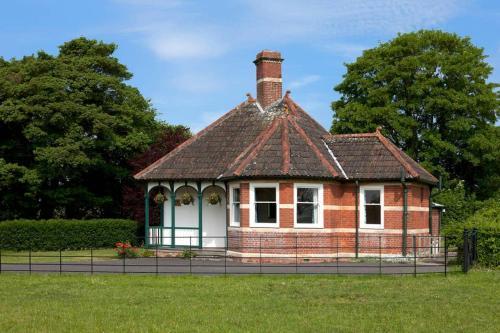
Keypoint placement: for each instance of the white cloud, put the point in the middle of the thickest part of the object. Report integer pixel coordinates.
(189, 35)
(349, 50)
(196, 82)
(304, 81)
(298, 19)
(184, 29)
(172, 45)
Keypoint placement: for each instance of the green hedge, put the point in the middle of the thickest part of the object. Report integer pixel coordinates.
(48, 235)
(488, 241)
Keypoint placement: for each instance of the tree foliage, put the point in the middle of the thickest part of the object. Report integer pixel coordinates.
(68, 126)
(429, 91)
(133, 194)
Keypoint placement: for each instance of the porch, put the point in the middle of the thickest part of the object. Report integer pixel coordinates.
(180, 214)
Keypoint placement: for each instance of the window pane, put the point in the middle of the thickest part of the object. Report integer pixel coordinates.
(372, 213)
(236, 195)
(265, 194)
(265, 212)
(306, 213)
(307, 194)
(372, 196)
(236, 212)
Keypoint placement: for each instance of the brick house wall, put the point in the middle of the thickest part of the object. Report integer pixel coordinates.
(338, 235)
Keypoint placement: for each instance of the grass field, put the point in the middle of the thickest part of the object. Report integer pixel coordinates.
(22, 257)
(125, 303)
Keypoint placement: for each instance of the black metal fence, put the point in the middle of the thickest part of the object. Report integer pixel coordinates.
(469, 249)
(291, 254)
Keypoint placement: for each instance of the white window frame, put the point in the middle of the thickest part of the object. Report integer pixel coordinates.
(319, 224)
(253, 223)
(362, 212)
(232, 222)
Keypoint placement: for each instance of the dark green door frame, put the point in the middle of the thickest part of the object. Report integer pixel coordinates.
(146, 214)
(172, 214)
(200, 215)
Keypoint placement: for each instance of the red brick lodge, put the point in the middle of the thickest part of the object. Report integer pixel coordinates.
(266, 179)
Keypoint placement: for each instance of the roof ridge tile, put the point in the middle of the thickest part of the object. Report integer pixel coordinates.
(257, 145)
(315, 149)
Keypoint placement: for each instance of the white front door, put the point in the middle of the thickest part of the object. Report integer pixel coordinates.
(214, 219)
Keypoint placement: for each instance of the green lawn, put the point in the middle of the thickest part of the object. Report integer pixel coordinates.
(22, 257)
(125, 303)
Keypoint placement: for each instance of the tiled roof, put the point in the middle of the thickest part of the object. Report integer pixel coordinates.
(281, 141)
(370, 156)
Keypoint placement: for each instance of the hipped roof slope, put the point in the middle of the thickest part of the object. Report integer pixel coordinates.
(282, 141)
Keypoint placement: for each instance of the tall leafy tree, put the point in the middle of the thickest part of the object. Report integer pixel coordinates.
(133, 193)
(68, 126)
(429, 91)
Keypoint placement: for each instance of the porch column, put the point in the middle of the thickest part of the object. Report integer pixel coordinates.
(146, 215)
(162, 209)
(172, 214)
(200, 215)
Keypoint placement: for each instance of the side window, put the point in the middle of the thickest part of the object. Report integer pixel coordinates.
(235, 207)
(265, 205)
(307, 205)
(372, 207)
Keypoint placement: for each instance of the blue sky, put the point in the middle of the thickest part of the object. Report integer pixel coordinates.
(193, 59)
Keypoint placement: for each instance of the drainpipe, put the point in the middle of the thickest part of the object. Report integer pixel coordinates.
(146, 215)
(357, 219)
(405, 213)
(430, 220)
(172, 215)
(226, 186)
(430, 211)
(200, 215)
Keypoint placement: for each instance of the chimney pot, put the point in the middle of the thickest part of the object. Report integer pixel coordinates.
(269, 81)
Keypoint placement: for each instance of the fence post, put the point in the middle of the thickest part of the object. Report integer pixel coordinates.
(337, 254)
(445, 256)
(191, 254)
(123, 266)
(414, 255)
(30, 260)
(465, 263)
(380, 255)
(60, 261)
(225, 255)
(260, 254)
(91, 261)
(296, 256)
(156, 259)
(0, 260)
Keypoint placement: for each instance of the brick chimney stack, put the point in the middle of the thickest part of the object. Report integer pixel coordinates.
(269, 82)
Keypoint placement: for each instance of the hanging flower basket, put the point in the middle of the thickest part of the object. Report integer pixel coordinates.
(160, 198)
(214, 198)
(187, 198)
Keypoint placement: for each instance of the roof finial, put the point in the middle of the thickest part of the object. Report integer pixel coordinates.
(378, 129)
(287, 93)
(250, 99)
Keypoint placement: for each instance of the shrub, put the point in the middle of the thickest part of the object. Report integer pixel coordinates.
(126, 250)
(55, 234)
(487, 222)
(188, 254)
